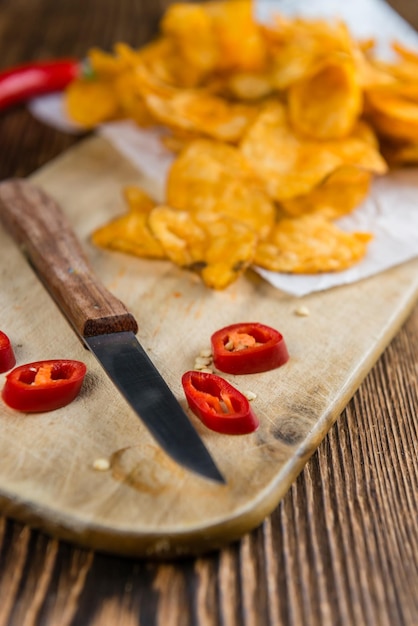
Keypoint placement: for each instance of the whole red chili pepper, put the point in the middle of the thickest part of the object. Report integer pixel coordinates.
(218, 404)
(248, 348)
(43, 385)
(22, 82)
(7, 355)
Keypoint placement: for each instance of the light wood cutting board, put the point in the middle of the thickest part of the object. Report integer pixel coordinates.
(145, 504)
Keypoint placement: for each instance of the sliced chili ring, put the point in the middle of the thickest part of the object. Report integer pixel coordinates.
(218, 404)
(248, 348)
(7, 355)
(43, 385)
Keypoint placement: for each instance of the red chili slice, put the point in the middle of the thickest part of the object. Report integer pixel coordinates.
(25, 81)
(248, 348)
(218, 404)
(7, 355)
(43, 385)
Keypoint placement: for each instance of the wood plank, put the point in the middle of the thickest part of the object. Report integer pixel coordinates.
(146, 505)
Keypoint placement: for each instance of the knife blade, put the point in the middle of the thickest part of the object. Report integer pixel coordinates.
(106, 327)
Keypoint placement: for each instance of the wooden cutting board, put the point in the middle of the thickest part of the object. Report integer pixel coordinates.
(145, 504)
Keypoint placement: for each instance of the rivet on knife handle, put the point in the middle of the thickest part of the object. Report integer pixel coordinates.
(36, 223)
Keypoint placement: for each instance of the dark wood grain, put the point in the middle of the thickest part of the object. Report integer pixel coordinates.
(342, 547)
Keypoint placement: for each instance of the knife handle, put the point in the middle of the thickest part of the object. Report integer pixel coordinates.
(38, 225)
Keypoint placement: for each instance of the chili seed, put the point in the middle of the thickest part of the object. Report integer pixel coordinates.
(101, 465)
(302, 311)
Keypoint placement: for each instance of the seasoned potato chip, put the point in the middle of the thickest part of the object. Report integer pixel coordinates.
(406, 54)
(230, 250)
(248, 86)
(182, 239)
(213, 37)
(401, 70)
(299, 46)
(137, 200)
(393, 116)
(363, 131)
(130, 232)
(190, 29)
(215, 246)
(340, 193)
(310, 244)
(291, 165)
(392, 108)
(131, 103)
(103, 64)
(194, 110)
(326, 104)
(177, 140)
(91, 102)
(241, 44)
(201, 113)
(359, 150)
(214, 177)
(277, 131)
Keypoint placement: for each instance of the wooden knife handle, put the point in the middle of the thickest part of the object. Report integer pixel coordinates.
(37, 223)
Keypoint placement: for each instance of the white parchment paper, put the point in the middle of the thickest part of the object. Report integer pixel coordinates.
(391, 210)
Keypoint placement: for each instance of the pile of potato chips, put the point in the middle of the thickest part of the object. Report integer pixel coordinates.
(277, 130)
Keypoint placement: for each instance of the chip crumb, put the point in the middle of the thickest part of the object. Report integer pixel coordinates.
(302, 311)
(101, 465)
(250, 395)
(203, 362)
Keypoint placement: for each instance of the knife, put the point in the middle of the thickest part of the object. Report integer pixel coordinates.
(106, 327)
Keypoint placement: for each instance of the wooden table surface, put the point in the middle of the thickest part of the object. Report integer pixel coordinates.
(342, 546)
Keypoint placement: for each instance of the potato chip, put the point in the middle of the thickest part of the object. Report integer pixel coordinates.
(158, 58)
(214, 177)
(241, 44)
(248, 86)
(230, 250)
(393, 116)
(131, 103)
(365, 133)
(217, 247)
(103, 64)
(370, 74)
(298, 47)
(177, 140)
(339, 194)
(405, 53)
(291, 165)
(182, 239)
(359, 149)
(194, 110)
(201, 113)
(310, 244)
(130, 232)
(326, 104)
(277, 130)
(190, 30)
(137, 200)
(402, 69)
(91, 102)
